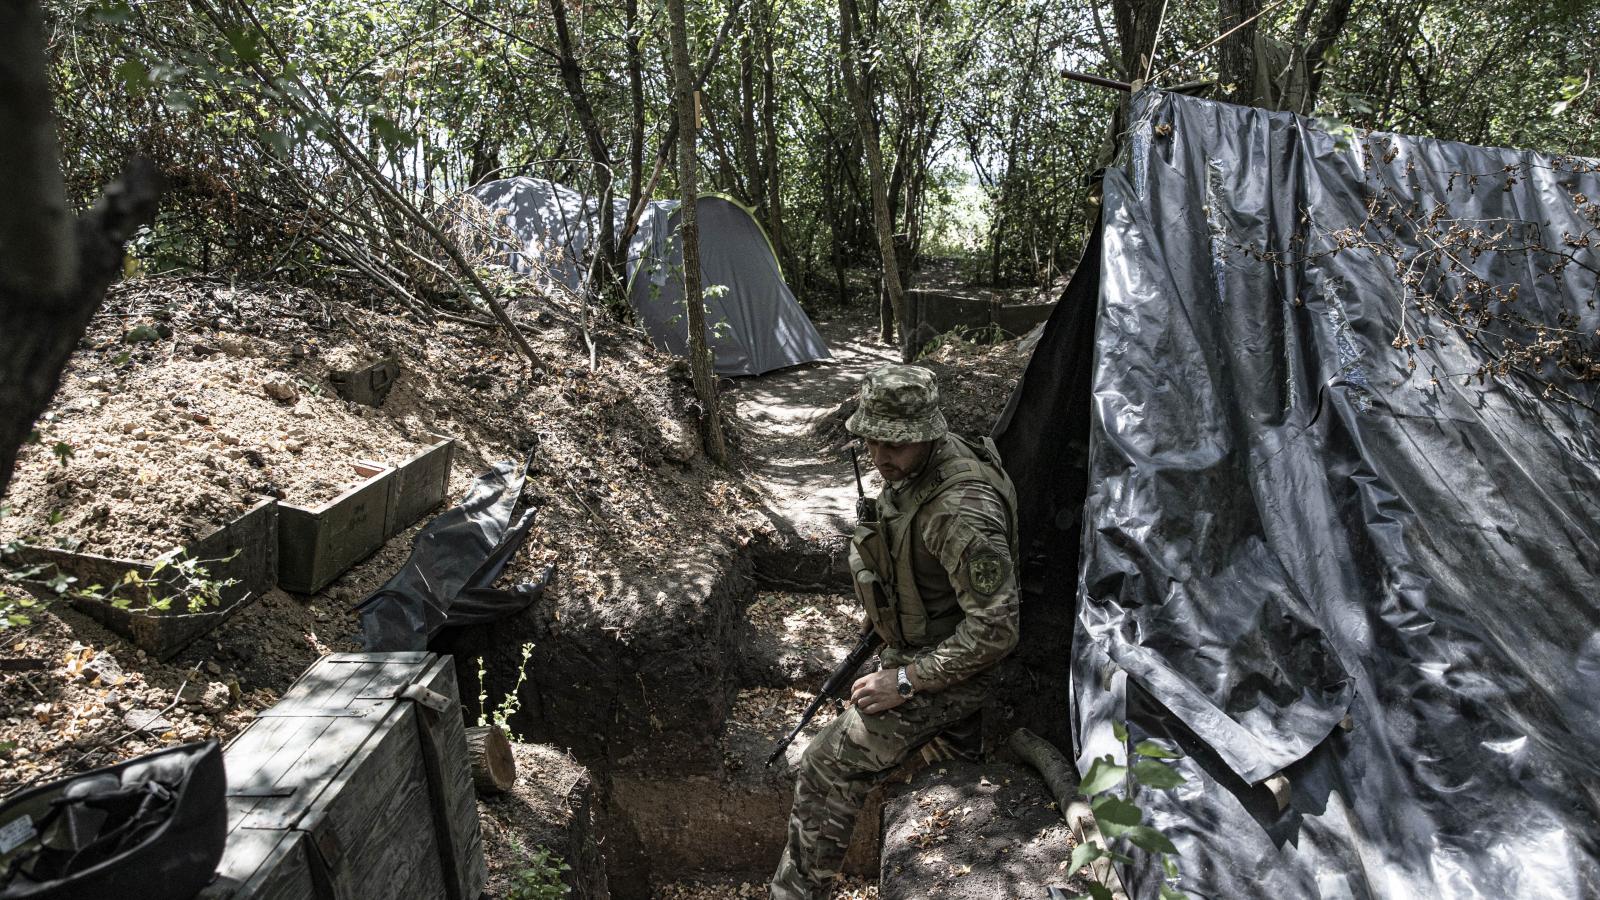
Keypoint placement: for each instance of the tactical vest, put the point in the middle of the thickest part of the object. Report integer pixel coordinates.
(881, 552)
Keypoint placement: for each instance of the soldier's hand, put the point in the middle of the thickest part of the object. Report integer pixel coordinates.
(876, 693)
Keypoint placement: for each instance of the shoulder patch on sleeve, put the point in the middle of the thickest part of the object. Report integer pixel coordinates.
(987, 570)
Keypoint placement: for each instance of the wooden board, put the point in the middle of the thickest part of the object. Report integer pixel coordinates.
(418, 485)
(315, 546)
(244, 551)
(335, 792)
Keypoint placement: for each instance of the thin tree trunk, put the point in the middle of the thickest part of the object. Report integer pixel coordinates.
(769, 134)
(755, 192)
(636, 98)
(705, 386)
(572, 78)
(53, 271)
(860, 104)
(671, 137)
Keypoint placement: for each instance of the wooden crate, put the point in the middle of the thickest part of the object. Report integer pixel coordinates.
(244, 550)
(317, 545)
(418, 485)
(355, 785)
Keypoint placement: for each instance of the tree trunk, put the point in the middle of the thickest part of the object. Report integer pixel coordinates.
(860, 103)
(53, 272)
(769, 134)
(755, 192)
(1329, 27)
(1236, 55)
(1136, 22)
(670, 138)
(636, 99)
(494, 767)
(705, 385)
(572, 78)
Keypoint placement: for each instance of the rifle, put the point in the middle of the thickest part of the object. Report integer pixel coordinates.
(866, 509)
(836, 687)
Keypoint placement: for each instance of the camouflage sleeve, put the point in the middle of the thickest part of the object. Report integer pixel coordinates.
(966, 529)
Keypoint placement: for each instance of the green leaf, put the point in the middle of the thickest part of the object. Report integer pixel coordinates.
(246, 44)
(179, 101)
(1147, 838)
(1116, 815)
(113, 13)
(1155, 751)
(1083, 854)
(1120, 730)
(1171, 893)
(1099, 891)
(134, 75)
(63, 452)
(1158, 775)
(1103, 776)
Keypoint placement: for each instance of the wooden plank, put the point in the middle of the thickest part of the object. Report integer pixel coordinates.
(317, 545)
(419, 484)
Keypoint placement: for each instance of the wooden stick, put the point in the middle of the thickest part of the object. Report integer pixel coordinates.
(1096, 80)
(1062, 778)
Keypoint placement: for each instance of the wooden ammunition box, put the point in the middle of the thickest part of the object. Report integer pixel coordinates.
(355, 785)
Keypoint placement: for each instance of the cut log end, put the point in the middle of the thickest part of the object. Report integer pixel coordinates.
(494, 769)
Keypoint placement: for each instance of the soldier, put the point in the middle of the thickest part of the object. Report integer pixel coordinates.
(934, 570)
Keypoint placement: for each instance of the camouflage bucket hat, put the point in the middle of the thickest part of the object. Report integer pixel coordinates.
(900, 405)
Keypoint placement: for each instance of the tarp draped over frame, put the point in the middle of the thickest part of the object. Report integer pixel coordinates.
(753, 322)
(1300, 555)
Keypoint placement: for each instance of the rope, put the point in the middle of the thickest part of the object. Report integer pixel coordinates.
(1221, 37)
(1155, 42)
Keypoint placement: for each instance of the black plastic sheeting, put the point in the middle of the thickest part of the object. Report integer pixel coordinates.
(455, 560)
(1298, 554)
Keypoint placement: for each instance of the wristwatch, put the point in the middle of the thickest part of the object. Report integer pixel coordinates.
(903, 684)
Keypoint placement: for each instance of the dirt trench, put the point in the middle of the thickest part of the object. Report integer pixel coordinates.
(668, 697)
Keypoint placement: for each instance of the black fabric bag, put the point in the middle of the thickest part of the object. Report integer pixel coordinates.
(152, 828)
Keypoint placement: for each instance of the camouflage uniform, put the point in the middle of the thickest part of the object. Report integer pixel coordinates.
(936, 575)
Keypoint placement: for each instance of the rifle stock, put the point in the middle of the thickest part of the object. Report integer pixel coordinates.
(839, 681)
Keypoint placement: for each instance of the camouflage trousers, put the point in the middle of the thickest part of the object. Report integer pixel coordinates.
(846, 760)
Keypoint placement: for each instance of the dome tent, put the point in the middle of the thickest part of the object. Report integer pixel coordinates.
(753, 322)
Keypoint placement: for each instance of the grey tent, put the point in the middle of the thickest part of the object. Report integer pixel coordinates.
(753, 323)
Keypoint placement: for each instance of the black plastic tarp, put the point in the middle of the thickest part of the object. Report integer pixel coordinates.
(455, 560)
(1314, 542)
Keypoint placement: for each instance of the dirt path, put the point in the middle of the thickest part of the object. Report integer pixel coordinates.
(810, 492)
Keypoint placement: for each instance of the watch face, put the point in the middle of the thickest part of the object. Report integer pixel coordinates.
(905, 689)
